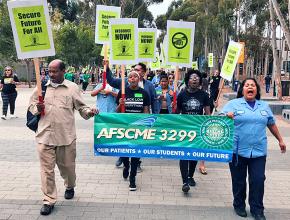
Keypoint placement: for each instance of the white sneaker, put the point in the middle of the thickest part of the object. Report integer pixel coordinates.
(3, 117)
(13, 116)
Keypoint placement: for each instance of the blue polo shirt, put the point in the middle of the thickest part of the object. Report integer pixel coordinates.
(250, 138)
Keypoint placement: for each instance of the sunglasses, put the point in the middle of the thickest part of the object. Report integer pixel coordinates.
(8, 70)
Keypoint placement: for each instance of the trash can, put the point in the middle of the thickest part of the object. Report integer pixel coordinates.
(285, 87)
(236, 85)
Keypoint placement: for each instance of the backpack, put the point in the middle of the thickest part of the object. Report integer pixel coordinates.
(32, 120)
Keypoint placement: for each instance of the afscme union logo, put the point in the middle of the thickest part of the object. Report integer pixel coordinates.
(215, 132)
(179, 40)
(148, 121)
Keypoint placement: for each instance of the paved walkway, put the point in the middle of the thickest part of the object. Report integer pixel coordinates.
(101, 193)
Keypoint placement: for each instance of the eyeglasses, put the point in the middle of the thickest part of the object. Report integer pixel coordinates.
(8, 70)
(170, 77)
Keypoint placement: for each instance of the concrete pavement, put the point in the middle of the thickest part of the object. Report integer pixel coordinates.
(101, 192)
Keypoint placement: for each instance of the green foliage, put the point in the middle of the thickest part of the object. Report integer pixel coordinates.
(7, 51)
(75, 44)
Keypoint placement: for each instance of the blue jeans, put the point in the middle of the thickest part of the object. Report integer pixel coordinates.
(267, 88)
(256, 169)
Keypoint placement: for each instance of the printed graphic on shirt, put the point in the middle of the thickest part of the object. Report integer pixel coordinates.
(8, 80)
(192, 106)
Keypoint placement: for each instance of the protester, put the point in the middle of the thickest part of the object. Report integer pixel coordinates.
(156, 79)
(136, 101)
(164, 96)
(106, 97)
(193, 101)
(56, 134)
(86, 80)
(251, 117)
(268, 81)
(214, 82)
(44, 78)
(140, 68)
(8, 92)
(171, 80)
(69, 75)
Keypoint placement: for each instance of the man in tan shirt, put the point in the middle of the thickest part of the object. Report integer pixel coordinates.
(56, 133)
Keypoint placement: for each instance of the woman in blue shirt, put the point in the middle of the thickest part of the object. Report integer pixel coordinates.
(251, 117)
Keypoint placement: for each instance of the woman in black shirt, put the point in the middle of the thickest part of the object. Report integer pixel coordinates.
(9, 93)
(136, 101)
(193, 101)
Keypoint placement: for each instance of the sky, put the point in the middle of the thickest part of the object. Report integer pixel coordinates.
(159, 9)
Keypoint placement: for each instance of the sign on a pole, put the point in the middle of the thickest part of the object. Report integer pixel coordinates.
(31, 28)
(123, 41)
(210, 59)
(180, 43)
(103, 14)
(155, 64)
(147, 44)
(103, 50)
(231, 60)
(195, 65)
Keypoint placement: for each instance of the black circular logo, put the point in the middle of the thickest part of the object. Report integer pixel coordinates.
(179, 40)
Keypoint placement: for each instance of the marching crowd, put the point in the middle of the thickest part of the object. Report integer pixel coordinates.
(151, 93)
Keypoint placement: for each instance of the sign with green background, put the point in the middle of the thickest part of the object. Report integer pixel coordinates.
(31, 28)
(171, 136)
(210, 59)
(123, 41)
(180, 43)
(231, 60)
(147, 44)
(155, 64)
(195, 65)
(103, 14)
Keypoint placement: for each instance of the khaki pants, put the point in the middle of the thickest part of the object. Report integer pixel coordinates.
(64, 157)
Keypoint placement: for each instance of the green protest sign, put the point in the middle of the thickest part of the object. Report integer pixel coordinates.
(103, 14)
(231, 60)
(210, 60)
(143, 135)
(147, 44)
(123, 41)
(180, 43)
(195, 65)
(31, 28)
(155, 64)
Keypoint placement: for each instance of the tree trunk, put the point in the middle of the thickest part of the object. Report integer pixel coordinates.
(266, 63)
(29, 72)
(276, 62)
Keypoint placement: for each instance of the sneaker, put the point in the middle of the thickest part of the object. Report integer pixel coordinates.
(259, 216)
(241, 212)
(191, 181)
(125, 172)
(3, 117)
(69, 193)
(13, 116)
(132, 186)
(185, 188)
(119, 162)
(46, 209)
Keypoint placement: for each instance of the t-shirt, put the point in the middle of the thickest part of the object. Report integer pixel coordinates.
(69, 76)
(86, 77)
(135, 100)
(8, 87)
(192, 103)
(214, 82)
(106, 103)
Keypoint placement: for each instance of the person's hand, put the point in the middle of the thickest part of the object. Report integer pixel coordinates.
(40, 107)
(171, 92)
(121, 101)
(282, 147)
(93, 112)
(107, 91)
(230, 115)
(173, 105)
(106, 62)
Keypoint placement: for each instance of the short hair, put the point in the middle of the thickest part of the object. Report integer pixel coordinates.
(143, 66)
(189, 73)
(163, 76)
(240, 91)
(61, 65)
